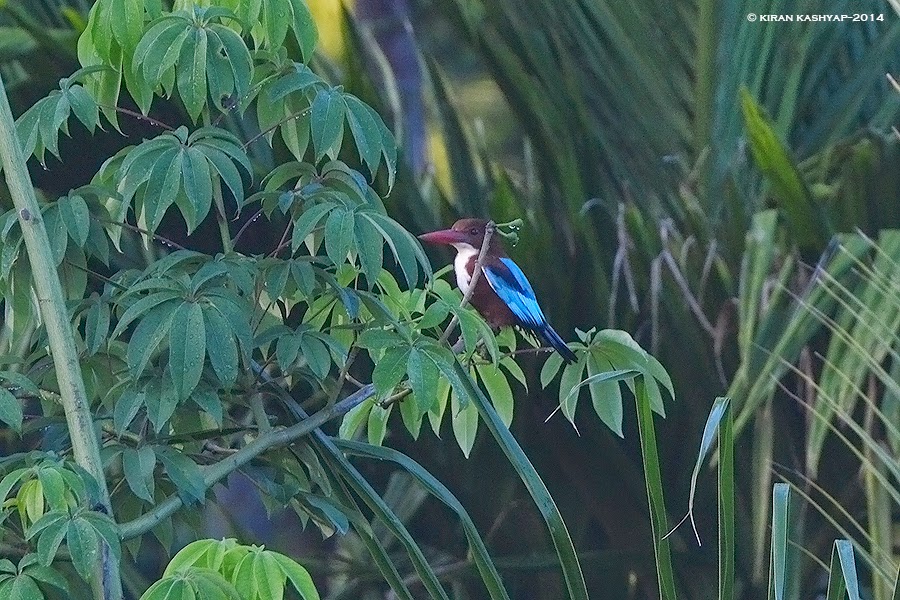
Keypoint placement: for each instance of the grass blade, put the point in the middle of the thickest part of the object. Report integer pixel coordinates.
(476, 545)
(653, 479)
(781, 525)
(568, 559)
(727, 548)
(343, 469)
(842, 579)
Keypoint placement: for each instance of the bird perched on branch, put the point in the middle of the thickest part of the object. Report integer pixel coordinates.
(502, 293)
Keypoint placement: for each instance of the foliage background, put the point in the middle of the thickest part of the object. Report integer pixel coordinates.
(659, 199)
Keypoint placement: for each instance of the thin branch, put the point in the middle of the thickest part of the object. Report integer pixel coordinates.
(489, 230)
(164, 240)
(218, 471)
(246, 225)
(290, 117)
(139, 116)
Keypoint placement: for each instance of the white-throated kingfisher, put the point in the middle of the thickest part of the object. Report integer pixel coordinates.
(502, 293)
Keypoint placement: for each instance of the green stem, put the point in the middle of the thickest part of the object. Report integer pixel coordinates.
(85, 444)
(215, 473)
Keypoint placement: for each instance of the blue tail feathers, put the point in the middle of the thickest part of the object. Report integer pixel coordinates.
(552, 338)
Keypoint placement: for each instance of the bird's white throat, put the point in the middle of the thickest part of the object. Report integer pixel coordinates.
(464, 253)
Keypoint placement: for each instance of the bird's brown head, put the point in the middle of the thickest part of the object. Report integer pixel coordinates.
(464, 233)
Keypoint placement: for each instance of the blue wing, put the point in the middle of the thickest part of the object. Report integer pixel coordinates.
(510, 283)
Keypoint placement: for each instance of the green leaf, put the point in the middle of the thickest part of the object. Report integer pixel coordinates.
(11, 410)
(48, 576)
(183, 472)
(298, 577)
(202, 553)
(390, 368)
(781, 526)
(328, 109)
(220, 346)
(127, 19)
(423, 378)
(96, 326)
(308, 221)
(304, 27)
(226, 170)
(209, 401)
(229, 50)
(405, 248)
(126, 409)
(197, 187)
(166, 589)
(84, 107)
(718, 415)
(159, 49)
(51, 537)
(161, 402)
(339, 235)
(354, 419)
(192, 72)
(268, 576)
(77, 218)
(56, 231)
(187, 348)
(370, 246)
(53, 487)
(807, 219)
(376, 427)
(550, 369)
(363, 123)
(147, 336)
(138, 466)
(606, 397)
(162, 187)
(84, 546)
(316, 354)
(24, 588)
(498, 390)
(464, 420)
(727, 542)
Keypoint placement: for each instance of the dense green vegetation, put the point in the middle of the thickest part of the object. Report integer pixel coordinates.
(240, 300)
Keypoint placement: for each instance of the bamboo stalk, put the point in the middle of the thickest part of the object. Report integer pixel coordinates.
(85, 445)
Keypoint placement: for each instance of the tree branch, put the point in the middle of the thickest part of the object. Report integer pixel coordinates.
(215, 473)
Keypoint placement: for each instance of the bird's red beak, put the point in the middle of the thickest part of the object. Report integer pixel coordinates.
(444, 236)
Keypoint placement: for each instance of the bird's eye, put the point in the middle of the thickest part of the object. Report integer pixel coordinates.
(473, 231)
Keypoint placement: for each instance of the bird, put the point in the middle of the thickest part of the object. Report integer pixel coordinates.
(502, 294)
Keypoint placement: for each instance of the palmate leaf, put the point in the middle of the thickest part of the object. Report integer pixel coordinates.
(200, 53)
(301, 105)
(613, 356)
(116, 23)
(177, 168)
(272, 19)
(38, 128)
